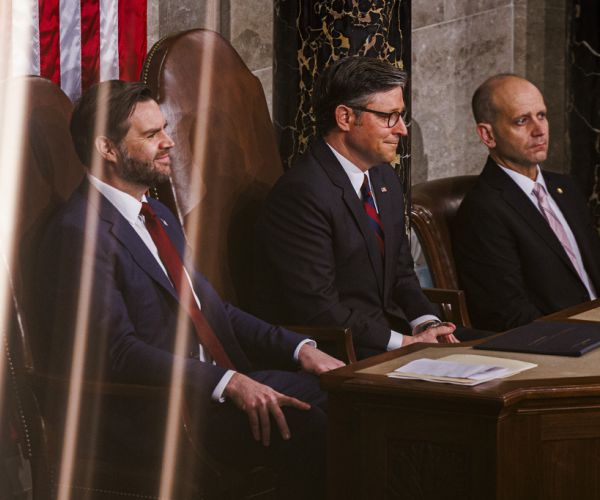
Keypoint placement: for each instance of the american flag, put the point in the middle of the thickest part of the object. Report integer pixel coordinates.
(76, 43)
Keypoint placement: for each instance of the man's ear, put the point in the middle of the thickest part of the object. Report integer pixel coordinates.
(486, 134)
(343, 117)
(106, 149)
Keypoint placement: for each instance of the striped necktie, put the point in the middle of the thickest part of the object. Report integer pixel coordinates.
(556, 226)
(369, 206)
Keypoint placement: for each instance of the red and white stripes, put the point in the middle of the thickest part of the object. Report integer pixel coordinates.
(76, 43)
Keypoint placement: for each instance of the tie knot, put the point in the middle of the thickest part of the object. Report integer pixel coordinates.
(538, 190)
(365, 189)
(147, 210)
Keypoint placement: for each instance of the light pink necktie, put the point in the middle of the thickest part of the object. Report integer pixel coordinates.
(556, 226)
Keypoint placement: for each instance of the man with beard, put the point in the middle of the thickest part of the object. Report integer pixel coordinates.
(114, 258)
(523, 241)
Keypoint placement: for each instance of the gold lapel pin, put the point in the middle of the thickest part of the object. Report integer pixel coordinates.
(383, 189)
(559, 190)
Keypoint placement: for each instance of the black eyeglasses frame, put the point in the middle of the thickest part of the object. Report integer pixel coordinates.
(392, 118)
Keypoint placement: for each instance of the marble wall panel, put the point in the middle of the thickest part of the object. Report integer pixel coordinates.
(251, 31)
(310, 36)
(449, 61)
(426, 13)
(535, 42)
(555, 85)
(265, 76)
(454, 9)
(180, 15)
(152, 22)
(520, 36)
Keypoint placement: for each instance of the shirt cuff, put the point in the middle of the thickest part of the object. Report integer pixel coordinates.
(396, 341)
(422, 319)
(299, 346)
(217, 394)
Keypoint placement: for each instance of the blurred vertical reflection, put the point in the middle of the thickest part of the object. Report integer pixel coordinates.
(13, 98)
(81, 334)
(195, 189)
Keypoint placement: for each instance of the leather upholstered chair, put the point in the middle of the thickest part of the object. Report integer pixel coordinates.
(224, 162)
(225, 158)
(36, 399)
(434, 205)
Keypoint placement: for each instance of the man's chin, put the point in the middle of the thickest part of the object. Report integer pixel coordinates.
(162, 177)
(390, 157)
(162, 172)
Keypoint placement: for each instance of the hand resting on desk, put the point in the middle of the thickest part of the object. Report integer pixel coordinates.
(443, 333)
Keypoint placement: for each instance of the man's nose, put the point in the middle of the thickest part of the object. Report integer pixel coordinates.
(540, 127)
(166, 142)
(400, 128)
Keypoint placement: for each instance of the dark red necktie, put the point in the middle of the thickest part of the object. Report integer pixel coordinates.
(369, 206)
(170, 258)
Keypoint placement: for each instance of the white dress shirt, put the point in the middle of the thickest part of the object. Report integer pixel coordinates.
(526, 185)
(356, 177)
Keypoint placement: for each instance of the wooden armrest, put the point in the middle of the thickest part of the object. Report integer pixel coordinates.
(452, 303)
(339, 336)
(59, 383)
(59, 386)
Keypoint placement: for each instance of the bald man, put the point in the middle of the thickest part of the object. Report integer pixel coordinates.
(524, 242)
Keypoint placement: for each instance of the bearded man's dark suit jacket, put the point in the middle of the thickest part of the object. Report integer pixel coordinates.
(510, 263)
(132, 324)
(318, 260)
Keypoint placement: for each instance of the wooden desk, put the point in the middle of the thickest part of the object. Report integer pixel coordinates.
(535, 435)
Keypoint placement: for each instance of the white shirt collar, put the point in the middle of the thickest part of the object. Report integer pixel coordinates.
(524, 182)
(355, 174)
(126, 204)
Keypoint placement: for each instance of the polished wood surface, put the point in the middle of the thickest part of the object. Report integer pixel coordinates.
(567, 314)
(532, 436)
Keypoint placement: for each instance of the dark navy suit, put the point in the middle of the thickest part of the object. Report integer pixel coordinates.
(132, 323)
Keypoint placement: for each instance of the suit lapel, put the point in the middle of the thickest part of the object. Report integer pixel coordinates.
(563, 198)
(525, 210)
(338, 177)
(123, 232)
(211, 305)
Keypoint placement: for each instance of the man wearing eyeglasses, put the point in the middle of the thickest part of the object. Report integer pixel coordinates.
(332, 247)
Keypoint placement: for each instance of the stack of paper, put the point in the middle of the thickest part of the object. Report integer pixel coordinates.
(462, 369)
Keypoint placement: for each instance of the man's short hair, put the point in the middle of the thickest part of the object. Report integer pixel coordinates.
(351, 81)
(119, 99)
(482, 104)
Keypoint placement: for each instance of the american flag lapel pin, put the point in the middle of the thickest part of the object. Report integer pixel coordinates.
(383, 189)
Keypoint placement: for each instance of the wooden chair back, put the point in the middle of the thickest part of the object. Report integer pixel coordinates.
(434, 206)
(225, 158)
(50, 170)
